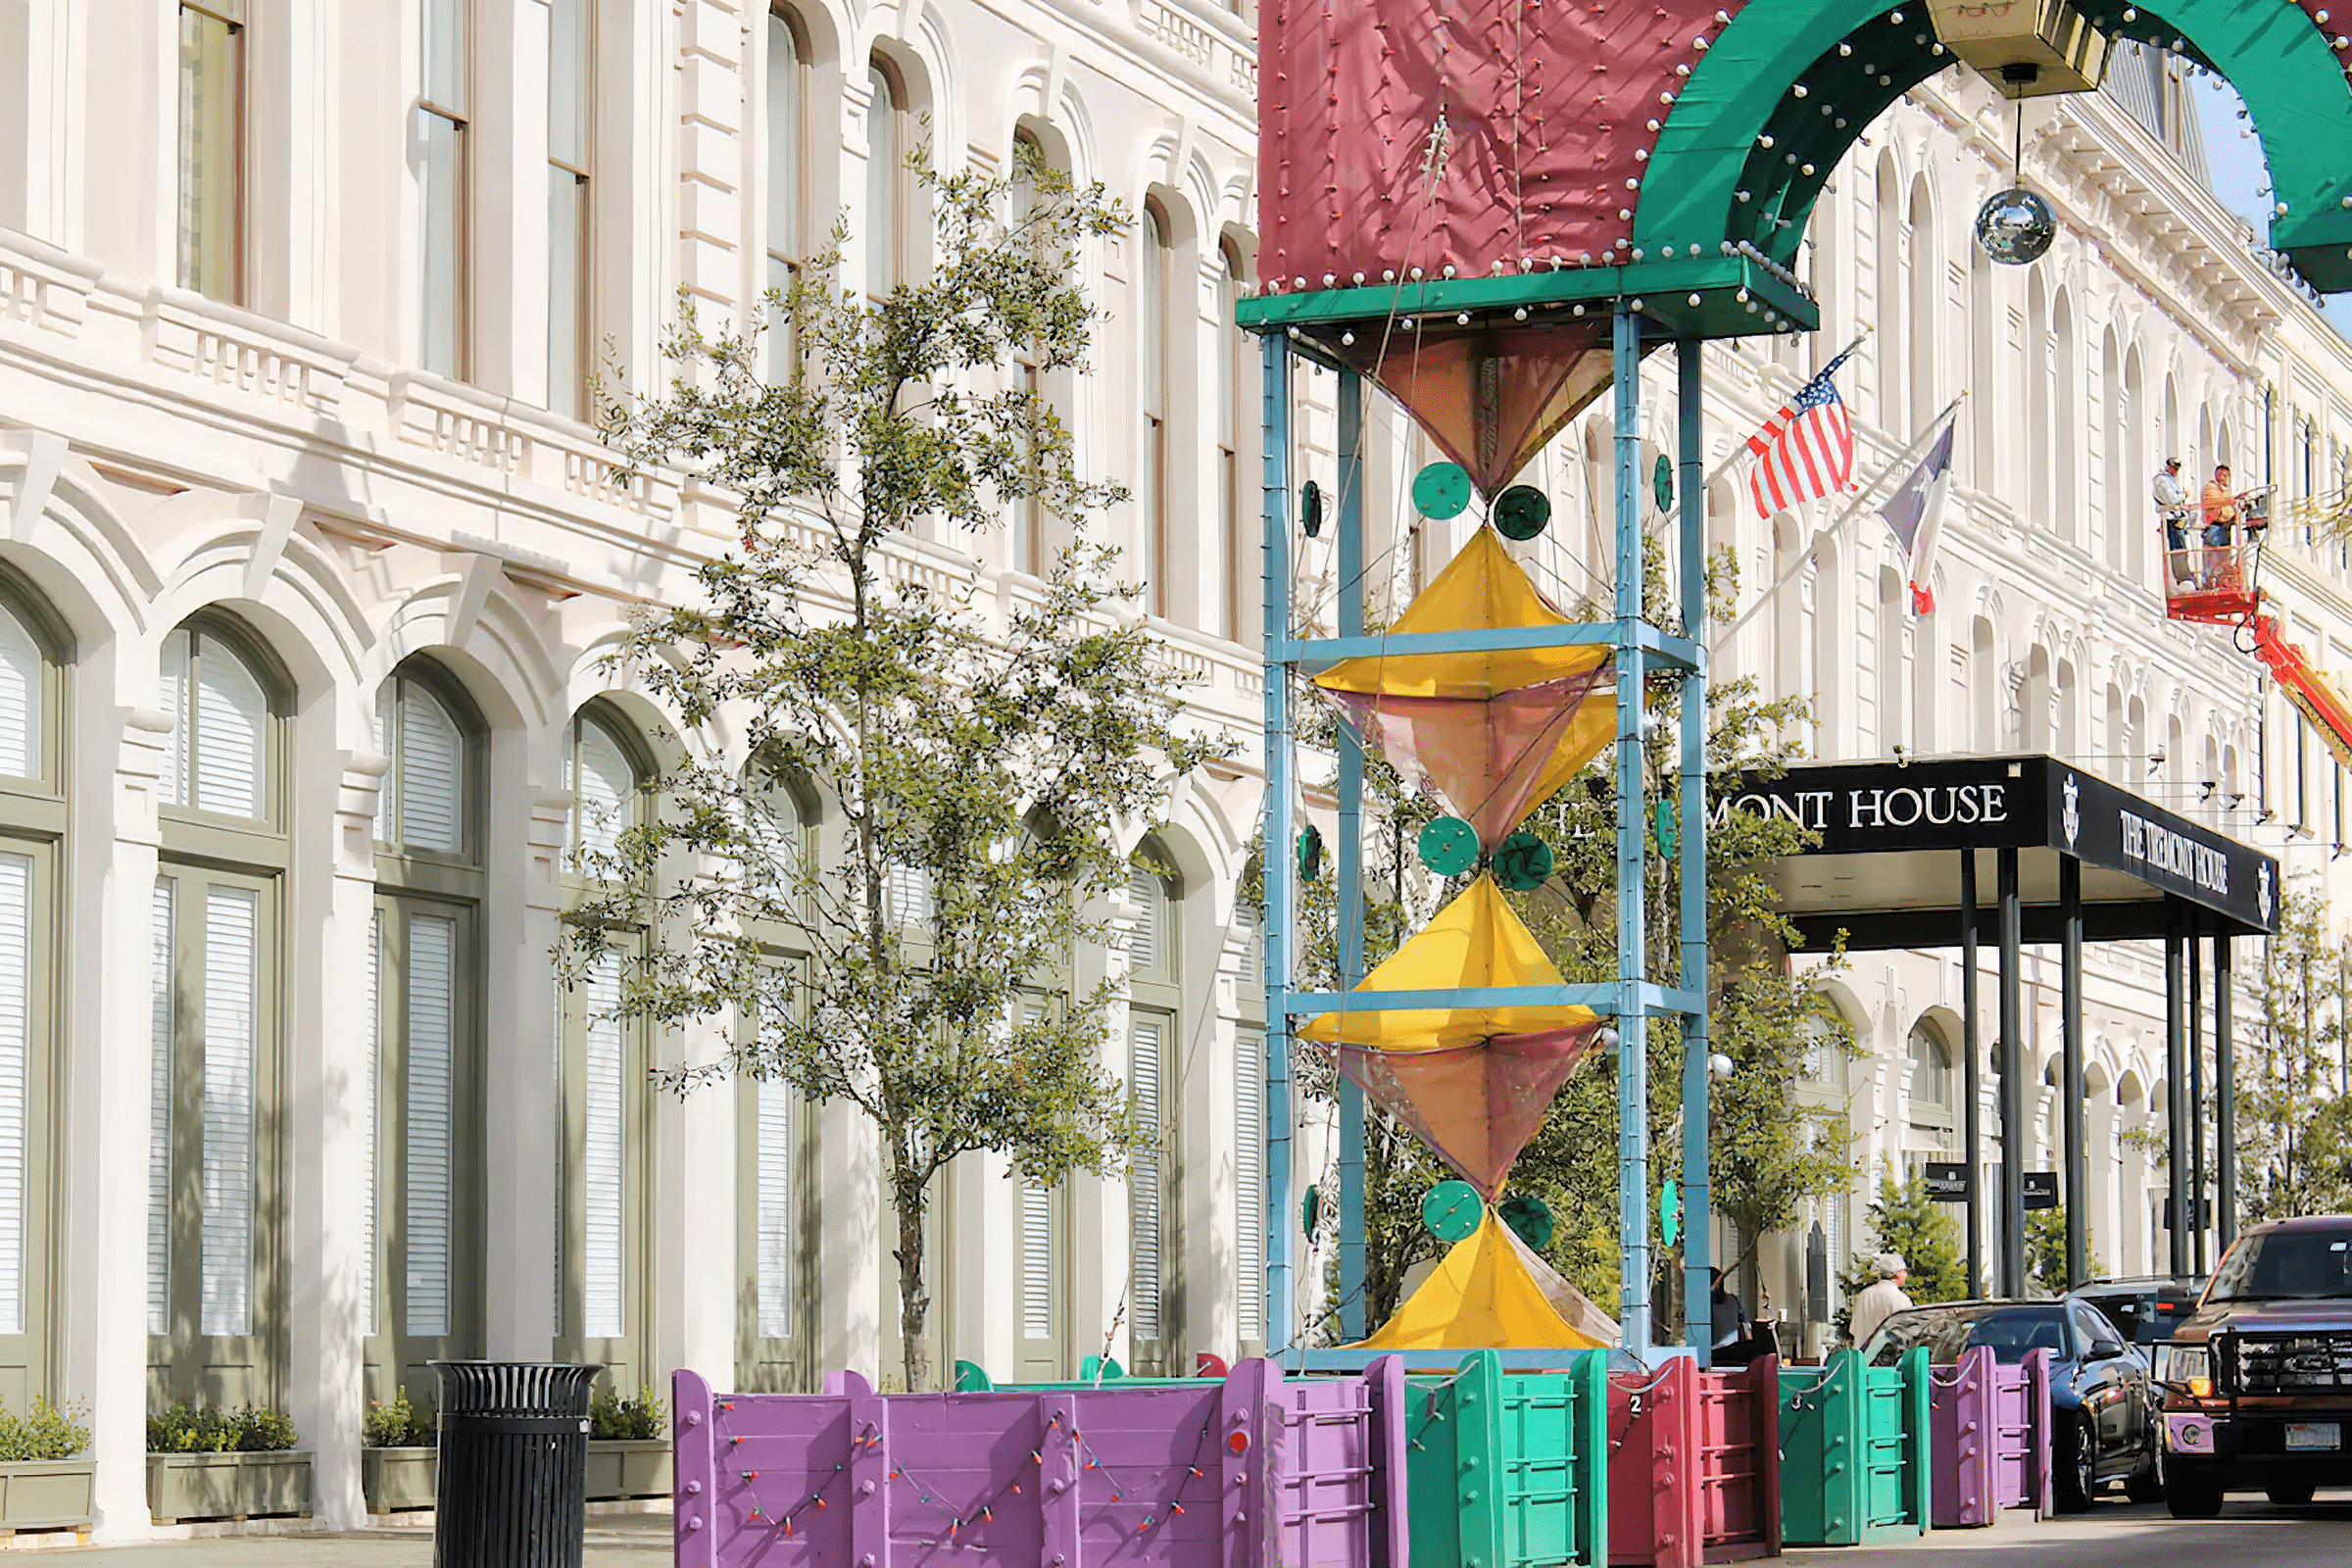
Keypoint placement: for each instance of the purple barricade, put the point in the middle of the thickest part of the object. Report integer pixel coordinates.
(1253, 1471)
(1989, 1437)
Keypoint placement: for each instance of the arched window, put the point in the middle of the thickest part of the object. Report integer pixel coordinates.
(2065, 395)
(32, 831)
(217, 1300)
(2113, 504)
(572, 99)
(1154, 1019)
(889, 185)
(1926, 305)
(775, 1132)
(1983, 440)
(1886, 214)
(1933, 1097)
(425, 1130)
(602, 1107)
(1153, 285)
(1236, 364)
(786, 123)
(1894, 600)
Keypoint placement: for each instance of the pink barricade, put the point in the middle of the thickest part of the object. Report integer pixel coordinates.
(1989, 1437)
(1695, 1464)
(1253, 1471)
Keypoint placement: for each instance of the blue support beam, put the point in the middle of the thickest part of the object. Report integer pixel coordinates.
(1633, 827)
(1691, 824)
(1282, 1315)
(1350, 869)
(1315, 655)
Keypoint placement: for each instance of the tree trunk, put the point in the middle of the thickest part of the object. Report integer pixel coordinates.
(914, 1298)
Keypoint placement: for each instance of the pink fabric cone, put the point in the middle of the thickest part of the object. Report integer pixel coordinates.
(1476, 1105)
(1491, 760)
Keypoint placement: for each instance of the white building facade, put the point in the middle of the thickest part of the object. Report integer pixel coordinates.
(310, 564)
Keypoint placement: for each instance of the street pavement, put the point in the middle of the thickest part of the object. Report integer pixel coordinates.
(624, 1541)
(2249, 1533)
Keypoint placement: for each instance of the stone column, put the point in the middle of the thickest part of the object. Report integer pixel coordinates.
(109, 965)
(329, 1114)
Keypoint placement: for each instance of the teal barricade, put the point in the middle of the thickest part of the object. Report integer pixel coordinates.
(1510, 1469)
(1854, 1450)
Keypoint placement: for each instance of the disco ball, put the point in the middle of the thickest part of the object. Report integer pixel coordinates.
(2016, 226)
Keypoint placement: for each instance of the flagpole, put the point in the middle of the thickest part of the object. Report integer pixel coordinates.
(1918, 444)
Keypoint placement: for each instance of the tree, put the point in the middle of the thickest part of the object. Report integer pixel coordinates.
(2045, 1251)
(1903, 1219)
(979, 769)
(2294, 1126)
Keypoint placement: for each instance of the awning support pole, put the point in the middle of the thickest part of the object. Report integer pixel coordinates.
(1972, 1075)
(2224, 1085)
(1633, 1032)
(1698, 1218)
(1351, 878)
(2077, 1187)
(2176, 1105)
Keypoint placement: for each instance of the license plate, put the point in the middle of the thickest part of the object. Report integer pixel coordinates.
(2301, 1434)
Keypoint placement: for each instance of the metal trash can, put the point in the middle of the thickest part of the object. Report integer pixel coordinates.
(514, 1475)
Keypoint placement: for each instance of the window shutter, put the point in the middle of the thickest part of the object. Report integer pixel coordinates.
(1147, 1036)
(159, 1117)
(1037, 1263)
(1143, 939)
(16, 1069)
(1250, 1184)
(431, 1060)
(175, 704)
(603, 789)
(601, 1160)
(371, 1112)
(21, 684)
(431, 765)
(232, 982)
(231, 734)
(774, 1239)
(908, 889)
(1038, 1242)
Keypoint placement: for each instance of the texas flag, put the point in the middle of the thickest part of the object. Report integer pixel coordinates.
(1915, 512)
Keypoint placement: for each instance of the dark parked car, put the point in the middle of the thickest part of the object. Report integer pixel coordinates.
(2257, 1382)
(2099, 1387)
(2145, 1309)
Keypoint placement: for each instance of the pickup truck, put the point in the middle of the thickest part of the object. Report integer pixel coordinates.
(2257, 1382)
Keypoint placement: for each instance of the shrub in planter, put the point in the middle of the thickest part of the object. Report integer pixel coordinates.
(218, 1429)
(619, 1418)
(399, 1425)
(47, 1432)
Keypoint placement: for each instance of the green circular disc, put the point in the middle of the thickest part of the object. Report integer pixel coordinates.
(1310, 853)
(1670, 1211)
(1452, 1211)
(1448, 846)
(1310, 509)
(1442, 490)
(1522, 862)
(1661, 483)
(1310, 1210)
(1521, 511)
(1529, 1217)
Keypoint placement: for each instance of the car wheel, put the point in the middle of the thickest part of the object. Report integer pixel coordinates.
(2290, 1493)
(2146, 1483)
(2077, 1468)
(2190, 1491)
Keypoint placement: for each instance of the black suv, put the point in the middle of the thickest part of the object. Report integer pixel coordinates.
(2144, 1308)
(2258, 1381)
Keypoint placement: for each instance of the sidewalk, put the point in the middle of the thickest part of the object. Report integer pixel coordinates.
(629, 1540)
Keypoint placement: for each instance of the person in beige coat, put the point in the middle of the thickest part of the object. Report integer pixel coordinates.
(1882, 1300)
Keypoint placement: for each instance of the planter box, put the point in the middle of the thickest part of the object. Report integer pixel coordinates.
(227, 1486)
(627, 1468)
(392, 1480)
(46, 1495)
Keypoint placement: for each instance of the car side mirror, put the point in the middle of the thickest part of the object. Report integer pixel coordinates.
(2105, 1350)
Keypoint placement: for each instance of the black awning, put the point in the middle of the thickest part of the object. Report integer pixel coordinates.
(1888, 868)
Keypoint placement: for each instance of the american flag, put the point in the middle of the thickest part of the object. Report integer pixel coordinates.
(1804, 452)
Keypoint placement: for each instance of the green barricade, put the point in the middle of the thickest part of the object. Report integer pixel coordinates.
(1854, 1459)
(1510, 1469)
